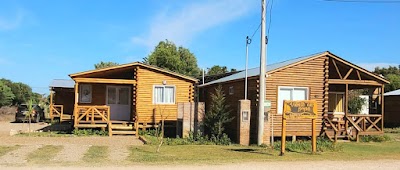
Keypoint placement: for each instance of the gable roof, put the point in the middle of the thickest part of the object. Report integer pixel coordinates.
(393, 93)
(63, 83)
(130, 65)
(285, 64)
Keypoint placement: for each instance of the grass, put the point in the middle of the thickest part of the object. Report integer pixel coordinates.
(46, 134)
(5, 149)
(96, 154)
(44, 154)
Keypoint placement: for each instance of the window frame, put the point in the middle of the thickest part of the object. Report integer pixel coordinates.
(231, 90)
(81, 88)
(307, 97)
(343, 105)
(164, 86)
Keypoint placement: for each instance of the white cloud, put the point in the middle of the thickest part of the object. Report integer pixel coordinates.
(371, 66)
(182, 25)
(13, 21)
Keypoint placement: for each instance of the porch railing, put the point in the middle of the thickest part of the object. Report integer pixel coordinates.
(92, 114)
(56, 111)
(364, 124)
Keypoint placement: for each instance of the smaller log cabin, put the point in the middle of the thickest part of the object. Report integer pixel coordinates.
(127, 97)
(392, 109)
(62, 98)
(324, 77)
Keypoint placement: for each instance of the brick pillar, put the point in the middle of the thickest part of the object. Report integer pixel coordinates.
(267, 122)
(190, 116)
(244, 113)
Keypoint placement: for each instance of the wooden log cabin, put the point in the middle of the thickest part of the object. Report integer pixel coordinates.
(62, 98)
(324, 77)
(392, 109)
(126, 97)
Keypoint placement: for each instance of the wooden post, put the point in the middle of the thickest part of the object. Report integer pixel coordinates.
(382, 105)
(76, 104)
(314, 137)
(346, 107)
(51, 105)
(283, 136)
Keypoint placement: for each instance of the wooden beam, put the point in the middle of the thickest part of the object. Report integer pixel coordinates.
(346, 106)
(348, 73)
(337, 69)
(354, 82)
(382, 104)
(76, 104)
(100, 80)
(358, 74)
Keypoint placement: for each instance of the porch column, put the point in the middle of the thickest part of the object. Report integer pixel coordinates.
(76, 103)
(346, 106)
(51, 105)
(382, 104)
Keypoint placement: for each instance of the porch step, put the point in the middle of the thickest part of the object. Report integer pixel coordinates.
(119, 127)
(123, 132)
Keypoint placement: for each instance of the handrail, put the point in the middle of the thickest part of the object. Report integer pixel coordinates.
(92, 114)
(56, 110)
(365, 123)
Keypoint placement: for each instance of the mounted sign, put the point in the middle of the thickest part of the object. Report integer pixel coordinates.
(300, 109)
(297, 110)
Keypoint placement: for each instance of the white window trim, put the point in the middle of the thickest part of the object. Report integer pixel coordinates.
(289, 87)
(334, 112)
(163, 86)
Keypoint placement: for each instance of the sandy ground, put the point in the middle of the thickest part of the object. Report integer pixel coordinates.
(353, 165)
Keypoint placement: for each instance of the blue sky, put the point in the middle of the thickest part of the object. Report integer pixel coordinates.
(43, 40)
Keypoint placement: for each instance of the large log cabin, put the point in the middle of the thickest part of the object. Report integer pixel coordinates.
(126, 97)
(324, 77)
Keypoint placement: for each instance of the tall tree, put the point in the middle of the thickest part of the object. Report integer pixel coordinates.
(105, 65)
(217, 69)
(391, 73)
(178, 59)
(218, 115)
(22, 92)
(6, 95)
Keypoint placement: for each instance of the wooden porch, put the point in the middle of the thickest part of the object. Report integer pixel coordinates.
(344, 77)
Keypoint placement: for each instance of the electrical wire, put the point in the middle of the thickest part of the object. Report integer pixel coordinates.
(366, 1)
(270, 17)
(255, 31)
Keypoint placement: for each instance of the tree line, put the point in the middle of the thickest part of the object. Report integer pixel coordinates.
(14, 93)
(391, 73)
(177, 59)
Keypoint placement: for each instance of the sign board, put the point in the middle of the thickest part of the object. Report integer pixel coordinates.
(296, 110)
(300, 109)
(267, 103)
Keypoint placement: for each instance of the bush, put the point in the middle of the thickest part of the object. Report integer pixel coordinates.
(375, 138)
(323, 145)
(392, 130)
(89, 132)
(192, 139)
(355, 104)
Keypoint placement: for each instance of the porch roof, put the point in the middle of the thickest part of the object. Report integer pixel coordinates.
(393, 93)
(123, 66)
(63, 83)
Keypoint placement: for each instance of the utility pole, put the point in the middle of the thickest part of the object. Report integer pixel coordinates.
(248, 41)
(262, 75)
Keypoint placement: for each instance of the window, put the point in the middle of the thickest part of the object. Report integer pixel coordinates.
(164, 94)
(291, 93)
(335, 102)
(231, 91)
(85, 93)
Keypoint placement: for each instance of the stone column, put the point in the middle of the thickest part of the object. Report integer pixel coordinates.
(244, 113)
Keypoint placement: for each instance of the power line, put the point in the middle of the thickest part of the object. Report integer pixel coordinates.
(270, 17)
(366, 1)
(255, 31)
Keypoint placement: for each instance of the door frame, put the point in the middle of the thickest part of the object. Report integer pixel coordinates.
(117, 97)
(344, 100)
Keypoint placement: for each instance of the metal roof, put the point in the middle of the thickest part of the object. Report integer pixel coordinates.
(393, 93)
(64, 83)
(256, 71)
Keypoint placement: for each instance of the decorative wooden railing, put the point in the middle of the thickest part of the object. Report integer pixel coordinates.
(364, 124)
(56, 111)
(92, 114)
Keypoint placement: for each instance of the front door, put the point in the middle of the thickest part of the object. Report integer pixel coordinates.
(118, 98)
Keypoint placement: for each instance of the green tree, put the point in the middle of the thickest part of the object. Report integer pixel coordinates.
(391, 73)
(217, 69)
(105, 65)
(6, 95)
(218, 115)
(178, 59)
(22, 92)
(394, 82)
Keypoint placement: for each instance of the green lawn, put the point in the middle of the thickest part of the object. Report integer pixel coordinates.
(96, 154)
(5, 149)
(44, 154)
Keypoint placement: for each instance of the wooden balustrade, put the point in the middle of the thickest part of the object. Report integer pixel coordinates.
(91, 115)
(364, 124)
(56, 111)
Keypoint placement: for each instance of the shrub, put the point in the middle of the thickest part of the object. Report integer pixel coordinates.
(323, 145)
(392, 130)
(89, 132)
(375, 138)
(355, 104)
(192, 139)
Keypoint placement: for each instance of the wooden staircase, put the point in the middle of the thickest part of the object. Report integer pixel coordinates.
(334, 129)
(122, 128)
